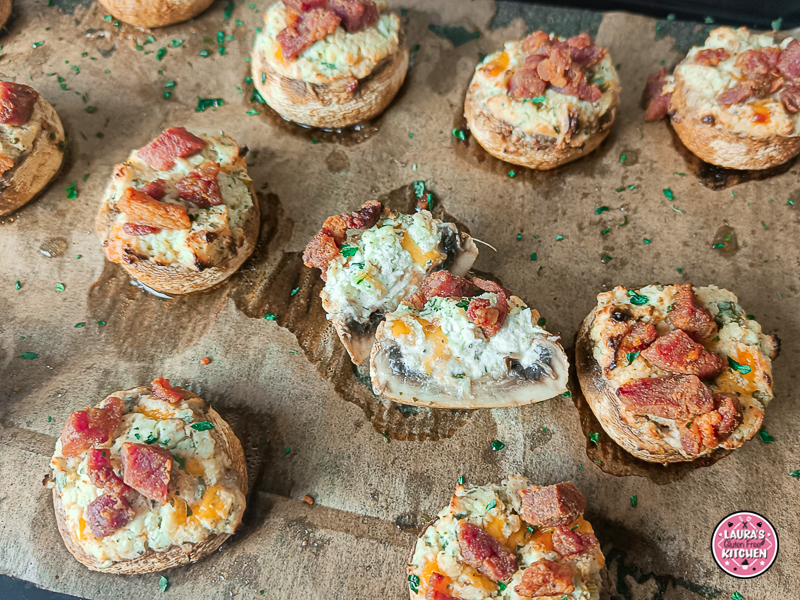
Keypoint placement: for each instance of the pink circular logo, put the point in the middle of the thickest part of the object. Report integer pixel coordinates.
(744, 545)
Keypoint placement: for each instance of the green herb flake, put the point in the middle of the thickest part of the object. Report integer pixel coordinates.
(541, 322)
(167, 95)
(777, 24)
(348, 250)
(736, 596)
(678, 210)
(72, 193)
(491, 505)
(764, 225)
(163, 584)
(637, 299)
(239, 22)
(533, 256)
(632, 186)
(512, 173)
(419, 189)
(623, 157)
(202, 426)
(668, 193)
(795, 474)
(567, 394)
(101, 323)
(176, 43)
(463, 304)
(537, 100)
(294, 291)
(790, 202)
(205, 52)
(251, 112)
(459, 133)
(29, 355)
(671, 17)
(602, 209)
(271, 317)
(619, 189)
(735, 366)
(501, 586)
(765, 437)
(594, 437)
(204, 103)
(161, 53)
(37, 44)
(91, 109)
(497, 445)
(631, 356)
(634, 501)
(605, 231)
(17, 285)
(559, 238)
(461, 479)
(413, 583)
(228, 10)
(519, 237)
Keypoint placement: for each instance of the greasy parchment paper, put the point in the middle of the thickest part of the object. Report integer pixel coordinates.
(308, 423)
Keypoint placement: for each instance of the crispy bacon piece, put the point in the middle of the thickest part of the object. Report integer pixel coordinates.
(136, 229)
(711, 56)
(546, 578)
(154, 189)
(736, 94)
(173, 143)
(678, 353)
(675, 397)
(147, 469)
(481, 312)
(551, 506)
(16, 103)
(107, 513)
(535, 40)
(758, 64)
(200, 186)
(639, 336)
(356, 15)
(789, 61)
(526, 83)
(484, 553)
(717, 425)
(144, 210)
(437, 589)
(162, 389)
(324, 246)
(583, 51)
(90, 426)
(102, 475)
(654, 100)
(301, 6)
(6, 163)
(446, 285)
(790, 98)
(303, 32)
(570, 543)
(687, 315)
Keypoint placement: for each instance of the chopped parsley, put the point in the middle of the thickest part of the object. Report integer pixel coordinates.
(735, 366)
(637, 299)
(160, 54)
(605, 231)
(491, 505)
(541, 322)
(29, 355)
(17, 285)
(413, 583)
(777, 23)
(567, 394)
(60, 287)
(79, 325)
(419, 189)
(631, 356)
(163, 583)
(72, 193)
(795, 474)
(512, 173)
(202, 426)
(737, 595)
(459, 133)
(181, 462)
(669, 194)
(91, 109)
(348, 250)
(497, 445)
(602, 209)
(204, 52)
(634, 501)
(559, 238)
(501, 586)
(623, 157)
(533, 256)
(294, 291)
(463, 304)
(594, 437)
(271, 317)
(765, 437)
(536, 100)
(204, 103)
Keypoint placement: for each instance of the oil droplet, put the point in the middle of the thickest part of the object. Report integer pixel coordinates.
(725, 239)
(53, 247)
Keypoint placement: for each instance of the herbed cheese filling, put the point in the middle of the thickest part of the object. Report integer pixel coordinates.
(215, 232)
(378, 267)
(495, 508)
(204, 497)
(739, 341)
(702, 84)
(17, 140)
(549, 114)
(439, 340)
(339, 55)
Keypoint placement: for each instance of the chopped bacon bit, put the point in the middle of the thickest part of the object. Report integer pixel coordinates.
(639, 336)
(654, 100)
(446, 285)
(790, 98)
(175, 142)
(484, 553)
(154, 189)
(6, 163)
(675, 397)
(102, 474)
(789, 61)
(736, 94)
(712, 56)
(136, 229)
(687, 315)
(570, 543)
(691, 440)
(481, 312)
(583, 52)
(90, 426)
(717, 425)
(205, 360)
(757, 64)
(301, 6)
(200, 186)
(526, 83)
(162, 389)
(147, 469)
(551, 506)
(546, 578)
(324, 246)
(437, 588)
(303, 32)
(356, 15)
(144, 210)
(535, 40)
(17, 102)
(678, 353)
(106, 514)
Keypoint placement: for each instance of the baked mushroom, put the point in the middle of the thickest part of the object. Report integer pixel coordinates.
(543, 101)
(372, 259)
(733, 101)
(180, 214)
(466, 344)
(154, 13)
(675, 372)
(511, 540)
(31, 145)
(329, 63)
(150, 478)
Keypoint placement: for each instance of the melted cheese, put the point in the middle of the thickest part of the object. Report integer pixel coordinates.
(423, 259)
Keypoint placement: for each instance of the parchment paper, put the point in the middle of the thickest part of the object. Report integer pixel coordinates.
(308, 422)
